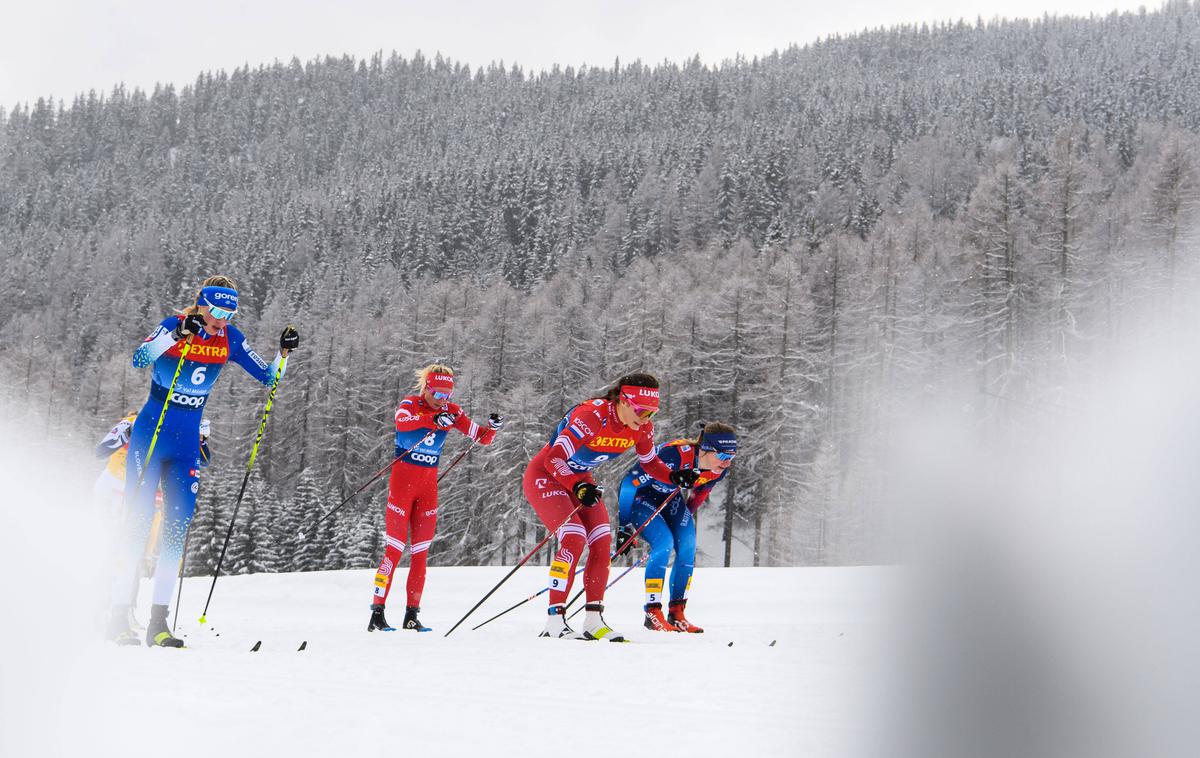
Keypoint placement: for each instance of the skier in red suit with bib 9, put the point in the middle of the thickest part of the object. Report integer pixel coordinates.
(422, 421)
(558, 480)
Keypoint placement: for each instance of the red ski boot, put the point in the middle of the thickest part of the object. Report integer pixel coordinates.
(678, 620)
(655, 621)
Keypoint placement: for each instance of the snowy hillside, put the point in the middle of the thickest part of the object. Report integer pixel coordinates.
(499, 691)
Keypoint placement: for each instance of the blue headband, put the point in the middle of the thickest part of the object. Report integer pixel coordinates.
(721, 442)
(222, 297)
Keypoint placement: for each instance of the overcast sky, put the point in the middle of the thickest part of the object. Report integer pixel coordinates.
(62, 47)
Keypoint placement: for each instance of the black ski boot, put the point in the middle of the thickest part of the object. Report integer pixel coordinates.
(118, 629)
(412, 622)
(157, 632)
(378, 621)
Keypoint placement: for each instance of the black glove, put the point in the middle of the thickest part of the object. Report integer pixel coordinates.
(587, 493)
(685, 478)
(290, 339)
(495, 421)
(625, 534)
(189, 325)
(445, 419)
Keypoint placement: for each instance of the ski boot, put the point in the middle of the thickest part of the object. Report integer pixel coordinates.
(655, 621)
(134, 625)
(157, 632)
(678, 620)
(118, 629)
(377, 620)
(556, 623)
(595, 627)
(412, 622)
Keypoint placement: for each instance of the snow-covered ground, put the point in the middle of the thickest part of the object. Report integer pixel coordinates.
(497, 691)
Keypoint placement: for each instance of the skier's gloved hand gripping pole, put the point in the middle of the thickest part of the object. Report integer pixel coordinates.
(289, 340)
(495, 421)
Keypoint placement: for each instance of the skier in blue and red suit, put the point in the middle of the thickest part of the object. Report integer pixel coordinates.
(559, 479)
(211, 342)
(710, 456)
(422, 421)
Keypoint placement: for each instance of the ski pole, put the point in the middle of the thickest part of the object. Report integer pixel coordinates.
(162, 415)
(544, 590)
(454, 463)
(507, 576)
(368, 483)
(614, 581)
(262, 428)
(144, 466)
(534, 596)
(625, 546)
(179, 593)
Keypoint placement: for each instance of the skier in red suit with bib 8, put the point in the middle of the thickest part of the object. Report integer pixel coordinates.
(559, 479)
(422, 421)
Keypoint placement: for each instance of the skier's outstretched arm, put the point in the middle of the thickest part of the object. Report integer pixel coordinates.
(245, 356)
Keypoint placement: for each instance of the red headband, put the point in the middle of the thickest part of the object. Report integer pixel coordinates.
(646, 397)
(439, 382)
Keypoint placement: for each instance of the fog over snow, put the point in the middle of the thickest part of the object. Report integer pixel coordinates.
(65, 48)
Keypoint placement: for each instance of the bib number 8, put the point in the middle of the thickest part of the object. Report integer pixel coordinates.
(198, 375)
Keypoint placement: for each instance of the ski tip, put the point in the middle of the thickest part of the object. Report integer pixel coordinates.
(303, 645)
(772, 643)
(257, 645)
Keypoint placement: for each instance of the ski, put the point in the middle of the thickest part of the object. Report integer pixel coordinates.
(769, 644)
(258, 646)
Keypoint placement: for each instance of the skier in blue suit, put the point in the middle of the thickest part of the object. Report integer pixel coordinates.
(205, 332)
(675, 526)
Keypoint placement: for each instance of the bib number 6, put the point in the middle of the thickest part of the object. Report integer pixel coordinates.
(198, 375)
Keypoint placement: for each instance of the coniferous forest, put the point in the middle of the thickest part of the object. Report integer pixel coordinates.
(816, 245)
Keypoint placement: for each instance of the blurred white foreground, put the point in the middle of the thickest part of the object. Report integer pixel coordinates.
(499, 691)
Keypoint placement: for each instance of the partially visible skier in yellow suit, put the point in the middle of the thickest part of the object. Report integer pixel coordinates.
(109, 491)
